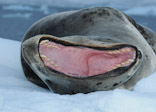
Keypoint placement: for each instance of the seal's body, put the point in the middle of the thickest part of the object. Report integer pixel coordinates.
(116, 51)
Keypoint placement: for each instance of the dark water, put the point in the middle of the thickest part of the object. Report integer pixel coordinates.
(15, 27)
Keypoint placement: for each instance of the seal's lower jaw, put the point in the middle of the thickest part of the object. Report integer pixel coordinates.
(86, 61)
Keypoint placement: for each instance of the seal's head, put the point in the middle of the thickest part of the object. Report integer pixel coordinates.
(99, 56)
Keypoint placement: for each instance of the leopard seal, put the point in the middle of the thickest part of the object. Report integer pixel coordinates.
(88, 50)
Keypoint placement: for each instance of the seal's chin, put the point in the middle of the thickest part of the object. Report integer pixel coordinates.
(86, 61)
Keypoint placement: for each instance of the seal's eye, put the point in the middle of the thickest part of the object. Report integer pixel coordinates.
(80, 61)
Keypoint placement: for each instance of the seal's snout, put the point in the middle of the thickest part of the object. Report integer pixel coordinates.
(30, 50)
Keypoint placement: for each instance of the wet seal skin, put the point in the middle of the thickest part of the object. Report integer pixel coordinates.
(88, 50)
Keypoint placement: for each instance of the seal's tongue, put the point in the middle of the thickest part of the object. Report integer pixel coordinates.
(82, 61)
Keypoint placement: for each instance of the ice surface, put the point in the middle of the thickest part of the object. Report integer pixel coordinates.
(19, 95)
(18, 8)
(147, 85)
(17, 15)
(144, 10)
(43, 8)
(84, 3)
(10, 54)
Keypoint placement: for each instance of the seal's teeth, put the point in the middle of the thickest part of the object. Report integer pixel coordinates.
(43, 41)
(123, 50)
(47, 59)
(130, 60)
(118, 65)
(115, 52)
(123, 64)
(119, 51)
(52, 46)
(128, 50)
(114, 68)
(43, 56)
(49, 46)
(59, 68)
(55, 46)
(134, 56)
(55, 65)
(51, 62)
(110, 52)
(127, 62)
(45, 44)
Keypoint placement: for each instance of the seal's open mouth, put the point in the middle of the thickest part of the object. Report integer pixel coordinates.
(85, 61)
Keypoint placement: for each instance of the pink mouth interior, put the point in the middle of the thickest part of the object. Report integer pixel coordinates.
(84, 62)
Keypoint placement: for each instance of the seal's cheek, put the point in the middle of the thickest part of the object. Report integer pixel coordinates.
(83, 62)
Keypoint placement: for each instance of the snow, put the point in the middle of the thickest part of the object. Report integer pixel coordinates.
(146, 85)
(19, 95)
(10, 54)
(144, 10)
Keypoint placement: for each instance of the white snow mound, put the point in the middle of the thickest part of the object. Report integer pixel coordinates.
(19, 95)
